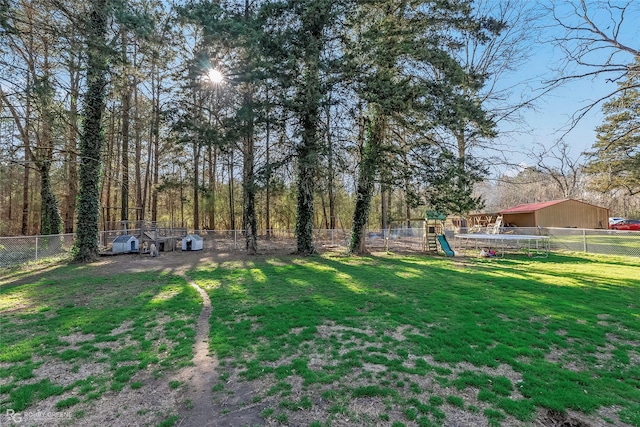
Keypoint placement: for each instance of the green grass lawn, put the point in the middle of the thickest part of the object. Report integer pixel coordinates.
(72, 334)
(402, 340)
(331, 340)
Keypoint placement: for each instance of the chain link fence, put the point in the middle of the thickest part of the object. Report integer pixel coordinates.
(20, 250)
(23, 249)
(376, 240)
(235, 240)
(605, 242)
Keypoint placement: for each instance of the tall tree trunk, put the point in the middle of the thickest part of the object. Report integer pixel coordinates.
(146, 183)
(126, 108)
(71, 147)
(306, 186)
(105, 188)
(50, 222)
(33, 225)
(248, 181)
(384, 210)
(308, 160)
(333, 215)
(232, 211)
(181, 200)
(407, 190)
(268, 179)
(249, 197)
(331, 173)
(156, 154)
(314, 21)
(50, 217)
(154, 185)
(325, 218)
(213, 160)
(211, 192)
(116, 178)
(249, 221)
(24, 229)
(91, 140)
(124, 188)
(26, 138)
(138, 146)
(196, 183)
(366, 179)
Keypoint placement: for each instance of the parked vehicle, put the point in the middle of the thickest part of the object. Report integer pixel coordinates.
(626, 224)
(614, 219)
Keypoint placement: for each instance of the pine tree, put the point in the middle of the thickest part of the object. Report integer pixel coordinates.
(295, 44)
(229, 46)
(615, 162)
(405, 74)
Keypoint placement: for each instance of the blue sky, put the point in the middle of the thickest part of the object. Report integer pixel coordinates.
(552, 117)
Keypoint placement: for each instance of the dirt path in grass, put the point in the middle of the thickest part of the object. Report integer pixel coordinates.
(197, 408)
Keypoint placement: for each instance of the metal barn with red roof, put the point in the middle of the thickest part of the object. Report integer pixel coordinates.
(565, 213)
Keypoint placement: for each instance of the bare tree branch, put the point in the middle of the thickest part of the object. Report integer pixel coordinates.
(597, 40)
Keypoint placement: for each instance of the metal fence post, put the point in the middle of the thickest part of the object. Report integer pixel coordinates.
(584, 240)
(235, 239)
(36, 248)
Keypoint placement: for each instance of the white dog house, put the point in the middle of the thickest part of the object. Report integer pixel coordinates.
(192, 242)
(124, 244)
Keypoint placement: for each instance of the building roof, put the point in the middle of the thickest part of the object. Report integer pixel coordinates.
(123, 239)
(532, 207)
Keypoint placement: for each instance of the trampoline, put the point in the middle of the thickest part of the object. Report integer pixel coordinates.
(535, 246)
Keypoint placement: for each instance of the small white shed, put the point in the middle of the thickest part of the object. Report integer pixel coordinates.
(192, 242)
(124, 244)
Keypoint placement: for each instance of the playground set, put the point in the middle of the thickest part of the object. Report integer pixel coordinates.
(434, 233)
(425, 234)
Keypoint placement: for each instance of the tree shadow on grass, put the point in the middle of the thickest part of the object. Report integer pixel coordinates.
(380, 311)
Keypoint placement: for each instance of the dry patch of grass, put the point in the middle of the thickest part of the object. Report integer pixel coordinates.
(89, 347)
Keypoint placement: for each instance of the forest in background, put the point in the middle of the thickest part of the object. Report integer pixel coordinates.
(329, 114)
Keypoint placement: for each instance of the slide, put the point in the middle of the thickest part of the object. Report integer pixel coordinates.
(445, 245)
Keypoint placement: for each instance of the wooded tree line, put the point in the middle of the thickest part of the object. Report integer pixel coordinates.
(341, 113)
